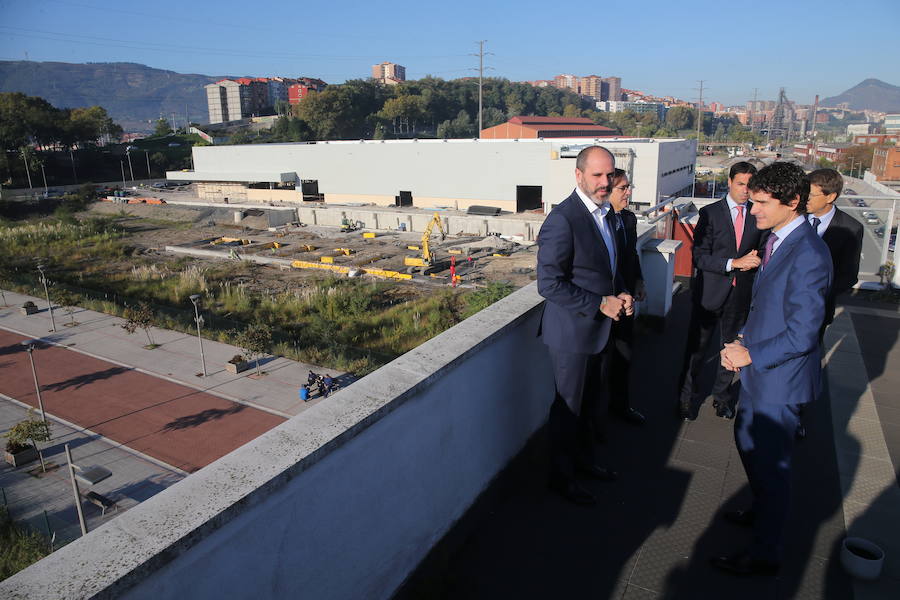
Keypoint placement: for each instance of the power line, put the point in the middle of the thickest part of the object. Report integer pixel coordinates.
(480, 55)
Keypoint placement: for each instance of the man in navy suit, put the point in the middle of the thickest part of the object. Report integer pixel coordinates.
(577, 274)
(726, 240)
(778, 357)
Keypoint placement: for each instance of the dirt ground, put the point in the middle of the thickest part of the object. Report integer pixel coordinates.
(153, 227)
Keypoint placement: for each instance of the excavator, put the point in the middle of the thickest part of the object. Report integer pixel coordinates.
(427, 255)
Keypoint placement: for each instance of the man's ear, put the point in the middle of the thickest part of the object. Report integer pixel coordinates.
(830, 198)
(793, 204)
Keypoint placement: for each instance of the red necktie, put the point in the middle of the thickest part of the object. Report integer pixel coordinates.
(738, 232)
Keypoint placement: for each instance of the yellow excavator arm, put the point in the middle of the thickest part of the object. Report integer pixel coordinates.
(427, 255)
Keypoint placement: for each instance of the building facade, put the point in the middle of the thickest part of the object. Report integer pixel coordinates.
(876, 139)
(389, 73)
(892, 123)
(546, 127)
(657, 108)
(513, 175)
(886, 163)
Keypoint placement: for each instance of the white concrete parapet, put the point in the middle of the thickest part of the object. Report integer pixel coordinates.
(341, 501)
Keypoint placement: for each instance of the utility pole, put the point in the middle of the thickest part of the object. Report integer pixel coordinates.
(174, 128)
(480, 55)
(147, 154)
(752, 109)
(700, 114)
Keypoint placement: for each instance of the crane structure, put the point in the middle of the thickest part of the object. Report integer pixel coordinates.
(427, 255)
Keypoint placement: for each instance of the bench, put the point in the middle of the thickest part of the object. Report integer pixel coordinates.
(101, 502)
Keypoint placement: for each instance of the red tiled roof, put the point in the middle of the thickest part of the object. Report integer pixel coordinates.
(573, 127)
(522, 120)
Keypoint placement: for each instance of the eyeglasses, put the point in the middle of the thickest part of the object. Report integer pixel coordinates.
(624, 188)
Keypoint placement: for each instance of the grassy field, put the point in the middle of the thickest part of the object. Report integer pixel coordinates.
(353, 325)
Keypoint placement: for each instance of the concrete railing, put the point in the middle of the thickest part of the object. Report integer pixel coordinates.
(342, 501)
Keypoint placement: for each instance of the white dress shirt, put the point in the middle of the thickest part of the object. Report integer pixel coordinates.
(599, 214)
(824, 220)
(732, 208)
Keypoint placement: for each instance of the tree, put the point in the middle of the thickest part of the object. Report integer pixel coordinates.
(67, 300)
(160, 161)
(141, 317)
(680, 117)
(32, 430)
(162, 127)
(255, 341)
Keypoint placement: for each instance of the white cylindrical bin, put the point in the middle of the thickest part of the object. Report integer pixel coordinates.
(861, 558)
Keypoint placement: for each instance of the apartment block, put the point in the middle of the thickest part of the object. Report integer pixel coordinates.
(389, 73)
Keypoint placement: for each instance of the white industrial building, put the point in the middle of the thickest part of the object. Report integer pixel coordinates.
(513, 175)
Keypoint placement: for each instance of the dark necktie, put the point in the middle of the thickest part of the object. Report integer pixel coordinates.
(620, 234)
(815, 222)
(770, 246)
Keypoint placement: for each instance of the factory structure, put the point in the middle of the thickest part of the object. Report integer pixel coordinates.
(514, 175)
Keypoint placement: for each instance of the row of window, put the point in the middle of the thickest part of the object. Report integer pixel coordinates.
(689, 168)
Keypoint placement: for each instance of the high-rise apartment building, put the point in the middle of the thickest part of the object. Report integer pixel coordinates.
(389, 73)
(566, 82)
(614, 93)
(236, 99)
(590, 86)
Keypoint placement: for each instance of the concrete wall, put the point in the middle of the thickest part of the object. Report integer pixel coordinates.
(439, 172)
(342, 501)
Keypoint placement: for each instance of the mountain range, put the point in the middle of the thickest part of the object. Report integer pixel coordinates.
(871, 94)
(134, 95)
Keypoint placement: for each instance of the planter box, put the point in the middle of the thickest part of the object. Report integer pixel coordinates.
(23, 457)
(28, 310)
(236, 368)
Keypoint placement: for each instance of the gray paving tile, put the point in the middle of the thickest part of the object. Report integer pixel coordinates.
(633, 592)
(703, 454)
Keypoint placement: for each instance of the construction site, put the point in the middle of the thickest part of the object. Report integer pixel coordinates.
(419, 247)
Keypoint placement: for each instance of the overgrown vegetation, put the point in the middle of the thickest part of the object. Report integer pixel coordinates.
(348, 324)
(18, 548)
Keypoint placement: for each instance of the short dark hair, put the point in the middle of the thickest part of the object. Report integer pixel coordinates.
(829, 180)
(784, 181)
(741, 167)
(618, 174)
(582, 157)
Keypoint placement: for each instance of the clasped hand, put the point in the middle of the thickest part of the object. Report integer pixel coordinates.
(617, 306)
(735, 356)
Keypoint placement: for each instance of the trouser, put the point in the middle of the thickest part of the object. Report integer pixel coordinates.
(622, 334)
(579, 406)
(764, 434)
(731, 319)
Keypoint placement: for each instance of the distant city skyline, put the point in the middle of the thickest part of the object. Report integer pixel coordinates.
(660, 48)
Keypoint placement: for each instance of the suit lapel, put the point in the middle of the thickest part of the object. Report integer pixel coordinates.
(589, 228)
(779, 257)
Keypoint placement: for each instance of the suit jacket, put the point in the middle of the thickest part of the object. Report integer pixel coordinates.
(574, 274)
(843, 237)
(628, 259)
(782, 329)
(714, 244)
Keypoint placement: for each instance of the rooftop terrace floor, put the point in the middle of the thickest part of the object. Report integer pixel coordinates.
(654, 530)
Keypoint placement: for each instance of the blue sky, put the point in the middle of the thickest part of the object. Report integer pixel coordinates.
(659, 47)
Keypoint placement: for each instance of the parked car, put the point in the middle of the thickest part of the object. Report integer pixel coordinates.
(879, 231)
(860, 202)
(873, 220)
(849, 192)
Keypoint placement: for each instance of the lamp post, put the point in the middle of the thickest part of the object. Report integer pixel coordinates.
(130, 169)
(40, 269)
(195, 299)
(75, 491)
(29, 347)
(122, 164)
(44, 175)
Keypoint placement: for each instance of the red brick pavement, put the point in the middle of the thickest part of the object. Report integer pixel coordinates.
(176, 424)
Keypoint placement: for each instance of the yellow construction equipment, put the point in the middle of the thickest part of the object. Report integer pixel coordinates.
(427, 255)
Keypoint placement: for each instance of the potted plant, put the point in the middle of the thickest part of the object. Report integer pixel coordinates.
(29, 308)
(237, 364)
(21, 441)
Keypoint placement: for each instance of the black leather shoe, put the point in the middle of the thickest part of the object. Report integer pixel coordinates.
(574, 493)
(744, 518)
(597, 472)
(723, 410)
(800, 434)
(629, 415)
(744, 566)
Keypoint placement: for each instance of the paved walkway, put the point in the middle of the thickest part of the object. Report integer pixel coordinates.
(177, 359)
(656, 528)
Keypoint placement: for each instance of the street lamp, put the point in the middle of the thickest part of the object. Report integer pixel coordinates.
(40, 269)
(29, 347)
(195, 298)
(130, 169)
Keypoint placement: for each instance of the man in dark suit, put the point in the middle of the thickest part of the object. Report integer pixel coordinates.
(726, 241)
(577, 276)
(841, 233)
(632, 277)
(778, 358)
